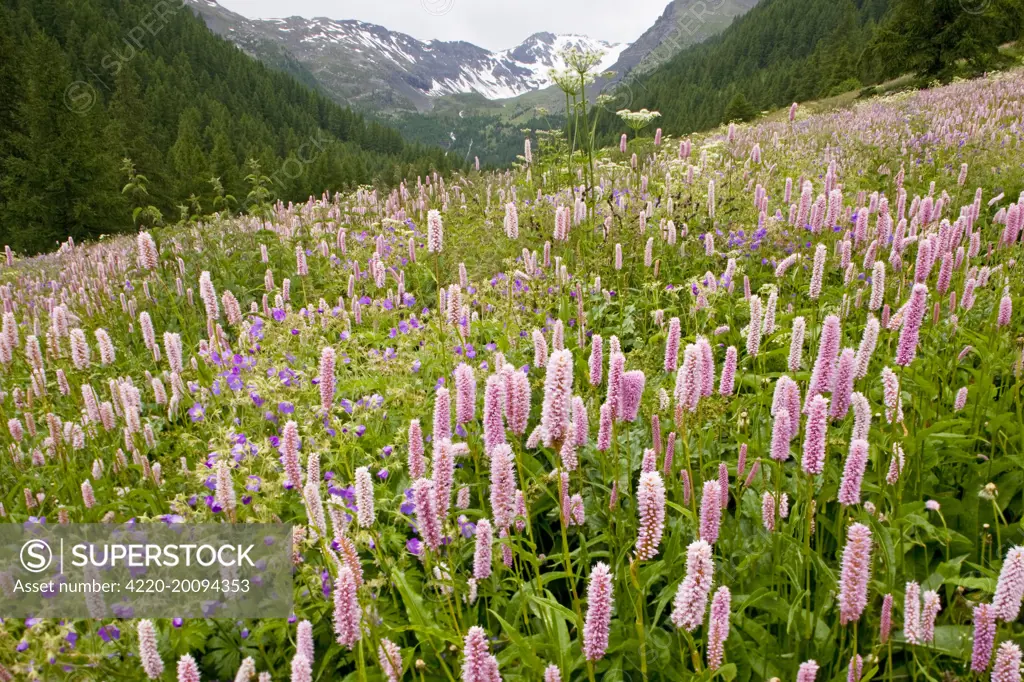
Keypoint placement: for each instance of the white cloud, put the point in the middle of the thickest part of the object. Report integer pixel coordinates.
(492, 24)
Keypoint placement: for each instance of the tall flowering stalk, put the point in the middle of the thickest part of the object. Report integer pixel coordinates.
(494, 407)
(1010, 587)
(824, 365)
(347, 614)
(290, 454)
(596, 358)
(754, 328)
(327, 359)
(478, 664)
(853, 473)
(188, 669)
(364, 497)
(390, 656)
(885, 620)
(718, 627)
(728, 381)
(149, 656)
(428, 523)
(815, 436)
(600, 598)
(557, 397)
(672, 345)
(932, 608)
(651, 508)
(465, 394)
(435, 232)
(984, 637)
(710, 511)
(482, 557)
(442, 414)
(416, 462)
(913, 317)
(807, 672)
(1007, 665)
(517, 389)
(855, 574)
(304, 639)
(503, 486)
(691, 598)
(912, 613)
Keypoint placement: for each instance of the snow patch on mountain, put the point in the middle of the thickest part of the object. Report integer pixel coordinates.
(344, 53)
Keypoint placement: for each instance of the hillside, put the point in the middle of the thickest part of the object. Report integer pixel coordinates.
(373, 68)
(185, 105)
(785, 51)
(749, 409)
(683, 24)
(455, 95)
(782, 51)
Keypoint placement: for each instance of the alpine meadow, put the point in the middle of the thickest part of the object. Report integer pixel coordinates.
(737, 397)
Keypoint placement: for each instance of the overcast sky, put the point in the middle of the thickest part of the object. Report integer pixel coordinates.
(493, 24)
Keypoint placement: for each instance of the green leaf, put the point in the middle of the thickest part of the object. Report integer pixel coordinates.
(520, 645)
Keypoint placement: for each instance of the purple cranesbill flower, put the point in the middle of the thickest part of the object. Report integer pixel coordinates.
(197, 412)
(414, 546)
(22, 645)
(177, 622)
(466, 528)
(109, 633)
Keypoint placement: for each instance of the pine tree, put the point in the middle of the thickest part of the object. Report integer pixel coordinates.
(61, 180)
(191, 169)
(739, 109)
(189, 107)
(933, 38)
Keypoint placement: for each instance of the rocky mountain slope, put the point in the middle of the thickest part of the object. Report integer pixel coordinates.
(371, 67)
(364, 64)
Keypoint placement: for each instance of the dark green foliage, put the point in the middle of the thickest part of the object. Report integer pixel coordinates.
(939, 38)
(780, 52)
(739, 109)
(88, 83)
(786, 51)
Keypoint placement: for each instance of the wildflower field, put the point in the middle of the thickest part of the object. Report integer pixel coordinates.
(741, 406)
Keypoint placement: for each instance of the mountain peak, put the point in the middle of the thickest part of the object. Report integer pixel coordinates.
(368, 65)
(360, 63)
